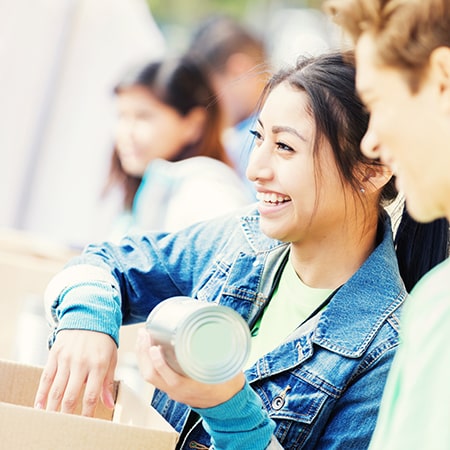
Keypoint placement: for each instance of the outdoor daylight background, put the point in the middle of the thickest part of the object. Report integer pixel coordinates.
(60, 60)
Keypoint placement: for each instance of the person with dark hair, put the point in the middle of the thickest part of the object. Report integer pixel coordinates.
(237, 63)
(168, 157)
(403, 77)
(311, 268)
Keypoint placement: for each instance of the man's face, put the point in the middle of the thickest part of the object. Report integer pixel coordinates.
(408, 132)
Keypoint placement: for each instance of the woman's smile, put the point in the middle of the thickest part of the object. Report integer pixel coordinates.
(271, 202)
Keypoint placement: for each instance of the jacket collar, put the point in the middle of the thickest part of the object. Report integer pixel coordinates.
(349, 323)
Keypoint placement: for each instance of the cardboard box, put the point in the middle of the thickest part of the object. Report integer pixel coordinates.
(133, 425)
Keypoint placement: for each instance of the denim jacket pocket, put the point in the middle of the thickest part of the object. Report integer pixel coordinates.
(212, 286)
(222, 287)
(295, 405)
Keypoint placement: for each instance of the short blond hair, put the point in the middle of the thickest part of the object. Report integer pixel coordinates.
(405, 31)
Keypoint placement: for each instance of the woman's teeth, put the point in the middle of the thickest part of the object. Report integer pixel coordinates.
(271, 198)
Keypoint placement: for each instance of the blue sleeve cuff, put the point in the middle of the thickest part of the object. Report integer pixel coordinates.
(93, 306)
(239, 423)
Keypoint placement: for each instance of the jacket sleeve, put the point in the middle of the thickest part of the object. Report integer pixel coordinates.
(240, 423)
(108, 284)
(83, 297)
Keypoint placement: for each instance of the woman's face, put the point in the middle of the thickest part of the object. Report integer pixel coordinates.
(146, 129)
(300, 197)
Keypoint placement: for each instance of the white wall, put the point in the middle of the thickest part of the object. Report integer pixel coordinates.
(60, 60)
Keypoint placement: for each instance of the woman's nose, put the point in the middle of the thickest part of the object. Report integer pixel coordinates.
(125, 127)
(370, 145)
(258, 167)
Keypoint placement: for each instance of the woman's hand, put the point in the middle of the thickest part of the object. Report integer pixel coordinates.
(78, 357)
(156, 371)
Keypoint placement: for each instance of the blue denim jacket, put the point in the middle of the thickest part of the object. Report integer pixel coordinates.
(323, 385)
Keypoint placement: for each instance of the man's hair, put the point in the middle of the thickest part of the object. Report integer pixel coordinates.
(219, 36)
(405, 31)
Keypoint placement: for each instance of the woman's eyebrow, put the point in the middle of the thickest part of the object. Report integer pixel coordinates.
(280, 129)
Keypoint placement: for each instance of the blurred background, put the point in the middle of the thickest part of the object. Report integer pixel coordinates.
(60, 60)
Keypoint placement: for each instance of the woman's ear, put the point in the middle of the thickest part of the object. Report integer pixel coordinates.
(374, 178)
(195, 122)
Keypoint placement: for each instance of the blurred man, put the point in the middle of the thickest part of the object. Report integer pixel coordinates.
(236, 61)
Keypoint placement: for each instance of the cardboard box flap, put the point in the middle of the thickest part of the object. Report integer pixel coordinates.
(22, 427)
(136, 426)
(130, 410)
(19, 383)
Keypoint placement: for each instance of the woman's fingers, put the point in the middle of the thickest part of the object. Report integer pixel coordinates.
(107, 394)
(45, 384)
(169, 377)
(68, 393)
(78, 359)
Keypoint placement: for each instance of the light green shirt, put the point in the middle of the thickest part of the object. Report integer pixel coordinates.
(292, 302)
(415, 410)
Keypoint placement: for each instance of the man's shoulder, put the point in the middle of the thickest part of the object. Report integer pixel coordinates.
(435, 282)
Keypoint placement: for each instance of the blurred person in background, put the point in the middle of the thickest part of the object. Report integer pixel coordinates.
(52, 123)
(236, 60)
(168, 159)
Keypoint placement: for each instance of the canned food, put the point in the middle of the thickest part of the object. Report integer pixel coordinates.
(201, 340)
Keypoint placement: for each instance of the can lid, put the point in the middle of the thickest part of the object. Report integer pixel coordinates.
(213, 344)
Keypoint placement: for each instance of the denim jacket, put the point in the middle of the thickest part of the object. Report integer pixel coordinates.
(322, 387)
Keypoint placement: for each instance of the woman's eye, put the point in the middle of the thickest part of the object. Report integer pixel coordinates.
(143, 115)
(284, 147)
(257, 134)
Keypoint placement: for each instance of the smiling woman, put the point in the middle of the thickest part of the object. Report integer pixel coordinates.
(168, 152)
(312, 269)
(294, 150)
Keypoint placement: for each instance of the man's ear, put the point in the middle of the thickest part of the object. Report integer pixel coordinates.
(375, 177)
(439, 72)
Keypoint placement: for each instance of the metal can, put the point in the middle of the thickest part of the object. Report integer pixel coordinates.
(204, 341)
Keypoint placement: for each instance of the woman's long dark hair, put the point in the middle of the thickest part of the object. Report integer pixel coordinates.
(340, 118)
(182, 84)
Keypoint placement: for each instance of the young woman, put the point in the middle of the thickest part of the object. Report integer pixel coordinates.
(312, 269)
(168, 158)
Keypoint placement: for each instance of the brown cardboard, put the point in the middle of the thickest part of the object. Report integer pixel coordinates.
(133, 424)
